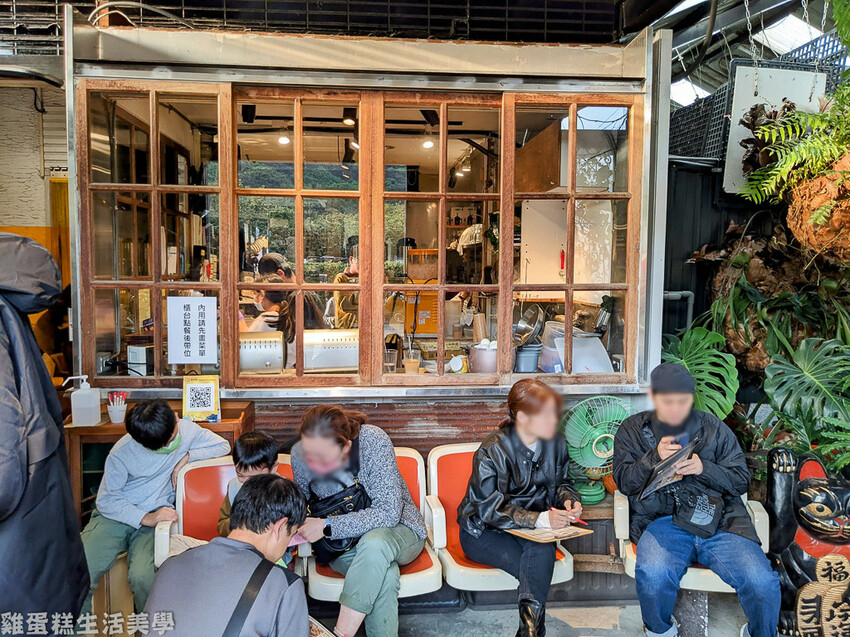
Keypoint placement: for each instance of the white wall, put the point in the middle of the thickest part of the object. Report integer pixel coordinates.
(24, 178)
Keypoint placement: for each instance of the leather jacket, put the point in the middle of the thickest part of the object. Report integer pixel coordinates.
(508, 488)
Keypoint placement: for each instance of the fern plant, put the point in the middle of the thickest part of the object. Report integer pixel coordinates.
(804, 145)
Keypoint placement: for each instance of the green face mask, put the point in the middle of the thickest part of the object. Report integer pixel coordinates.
(171, 446)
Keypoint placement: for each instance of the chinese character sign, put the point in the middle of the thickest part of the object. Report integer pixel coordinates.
(192, 329)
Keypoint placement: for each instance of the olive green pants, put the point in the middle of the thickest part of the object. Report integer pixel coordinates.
(372, 576)
(104, 540)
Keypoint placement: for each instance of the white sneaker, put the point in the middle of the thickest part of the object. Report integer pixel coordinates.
(672, 632)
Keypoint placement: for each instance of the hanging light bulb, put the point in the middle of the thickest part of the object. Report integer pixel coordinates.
(429, 139)
(459, 172)
(349, 116)
(283, 140)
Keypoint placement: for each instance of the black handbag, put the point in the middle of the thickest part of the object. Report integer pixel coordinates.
(351, 498)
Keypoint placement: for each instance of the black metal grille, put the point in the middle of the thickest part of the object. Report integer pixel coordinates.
(701, 129)
(34, 26)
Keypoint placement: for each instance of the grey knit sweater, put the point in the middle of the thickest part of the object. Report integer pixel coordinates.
(379, 475)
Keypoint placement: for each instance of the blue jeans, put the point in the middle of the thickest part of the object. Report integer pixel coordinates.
(665, 552)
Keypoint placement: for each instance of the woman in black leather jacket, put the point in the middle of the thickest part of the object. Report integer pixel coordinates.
(519, 480)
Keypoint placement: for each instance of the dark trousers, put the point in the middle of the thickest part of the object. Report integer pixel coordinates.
(530, 562)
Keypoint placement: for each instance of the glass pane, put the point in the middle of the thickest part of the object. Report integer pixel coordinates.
(410, 327)
(190, 227)
(267, 337)
(600, 241)
(471, 332)
(411, 240)
(472, 231)
(542, 149)
(119, 125)
(331, 350)
(121, 227)
(473, 149)
(412, 148)
(538, 329)
(266, 144)
(123, 332)
(541, 253)
(602, 164)
(266, 229)
(331, 146)
(598, 331)
(331, 237)
(201, 330)
(188, 130)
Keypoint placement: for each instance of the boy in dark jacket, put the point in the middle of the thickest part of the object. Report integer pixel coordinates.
(698, 519)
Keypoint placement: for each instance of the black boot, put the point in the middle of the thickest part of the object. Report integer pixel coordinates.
(531, 618)
(541, 621)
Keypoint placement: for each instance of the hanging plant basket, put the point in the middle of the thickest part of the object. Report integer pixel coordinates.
(819, 212)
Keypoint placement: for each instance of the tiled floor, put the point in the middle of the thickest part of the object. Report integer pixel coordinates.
(725, 620)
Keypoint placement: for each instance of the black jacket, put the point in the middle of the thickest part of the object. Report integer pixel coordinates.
(724, 474)
(508, 488)
(43, 564)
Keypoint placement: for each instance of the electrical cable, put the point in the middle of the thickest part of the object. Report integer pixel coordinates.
(38, 102)
(126, 4)
(709, 31)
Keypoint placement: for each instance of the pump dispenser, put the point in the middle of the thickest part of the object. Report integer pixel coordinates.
(85, 403)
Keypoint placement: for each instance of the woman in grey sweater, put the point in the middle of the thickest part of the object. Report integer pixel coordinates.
(390, 530)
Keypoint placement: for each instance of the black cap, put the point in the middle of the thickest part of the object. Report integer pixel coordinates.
(272, 262)
(671, 378)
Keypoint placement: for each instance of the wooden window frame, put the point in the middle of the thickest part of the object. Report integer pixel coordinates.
(371, 195)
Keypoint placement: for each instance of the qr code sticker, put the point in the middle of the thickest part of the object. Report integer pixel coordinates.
(201, 398)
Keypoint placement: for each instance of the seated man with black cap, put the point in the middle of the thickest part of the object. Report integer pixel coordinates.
(699, 519)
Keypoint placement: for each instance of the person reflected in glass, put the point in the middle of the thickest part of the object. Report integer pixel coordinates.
(347, 302)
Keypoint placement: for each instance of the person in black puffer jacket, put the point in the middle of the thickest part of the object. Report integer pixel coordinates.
(43, 565)
(699, 519)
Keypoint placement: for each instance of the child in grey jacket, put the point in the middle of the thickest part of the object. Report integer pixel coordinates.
(137, 491)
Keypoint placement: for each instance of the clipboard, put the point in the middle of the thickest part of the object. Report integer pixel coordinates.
(664, 473)
(550, 535)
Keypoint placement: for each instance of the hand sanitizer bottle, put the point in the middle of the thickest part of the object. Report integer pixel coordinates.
(85, 403)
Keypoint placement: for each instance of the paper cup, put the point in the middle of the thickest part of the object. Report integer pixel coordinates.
(116, 413)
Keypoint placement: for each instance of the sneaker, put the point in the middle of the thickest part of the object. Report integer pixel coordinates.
(673, 631)
(745, 632)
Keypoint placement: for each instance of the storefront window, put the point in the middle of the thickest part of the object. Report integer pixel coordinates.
(190, 230)
(122, 236)
(602, 153)
(119, 140)
(331, 146)
(188, 128)
(266, 144)
(124, 332)
(419, 260)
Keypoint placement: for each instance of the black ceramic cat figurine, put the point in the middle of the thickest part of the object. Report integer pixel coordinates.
(809, 514)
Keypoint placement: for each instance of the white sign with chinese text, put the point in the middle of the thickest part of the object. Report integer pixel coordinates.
(192, 329)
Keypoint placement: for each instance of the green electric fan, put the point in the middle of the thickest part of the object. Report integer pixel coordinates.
(589, 428)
